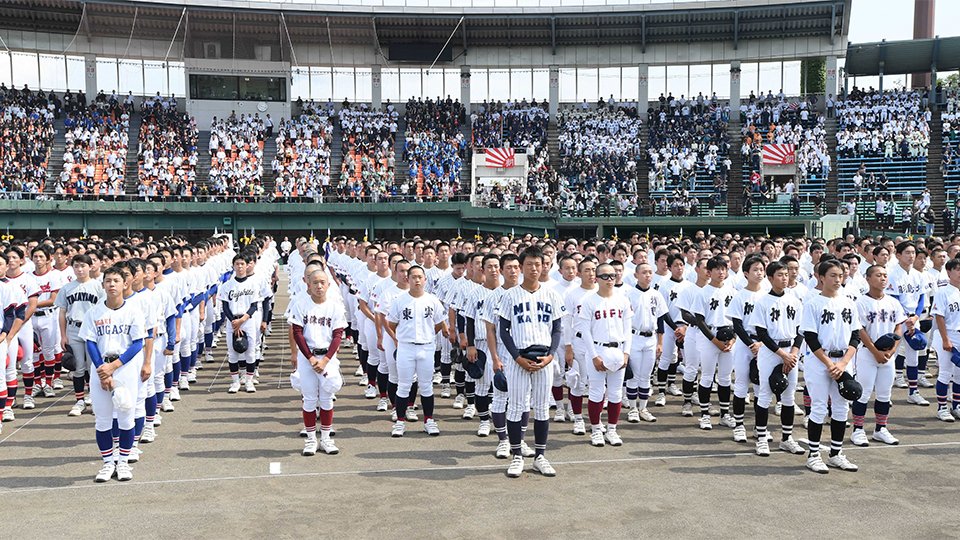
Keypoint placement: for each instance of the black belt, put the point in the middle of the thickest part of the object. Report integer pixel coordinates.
(754, 337)
(836, 354)
(611, 344)
(75, 323)
(319, 352)
(784, 343)
(644, 333)
(39, 313)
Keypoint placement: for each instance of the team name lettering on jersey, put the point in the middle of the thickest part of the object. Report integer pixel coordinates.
(523, 312)
(608, 314)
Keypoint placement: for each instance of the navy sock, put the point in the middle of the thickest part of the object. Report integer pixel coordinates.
(787, 412)
(138, 426)
(105, 443)
(427, 402)
(392, 393)
(500, 424)
(470, 389)
(540, 430)
(383, 383)
(150, 404)
(515, 434)
(401, 407)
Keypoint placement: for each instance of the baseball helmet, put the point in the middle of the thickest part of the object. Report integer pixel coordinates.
(754, 371)
(475, 369)
(886, 341)
(725, 333)
(955, 357)
(778, 381)
(916, 340)
(926, 325)
(850, 389)
(239, 342)
(69, 360)
(295, 380)
(534, 352)
(500, 381)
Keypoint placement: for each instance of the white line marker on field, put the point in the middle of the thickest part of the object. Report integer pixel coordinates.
(275, 467)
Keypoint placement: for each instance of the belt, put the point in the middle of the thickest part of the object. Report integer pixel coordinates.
(836, 354)
(319, 352)
(784, 343)
(76, 324)
(427, 343)
(610, 344)
(644, 333)
(714, 329)
(39, 313)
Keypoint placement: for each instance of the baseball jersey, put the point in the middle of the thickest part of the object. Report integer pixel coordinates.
(571, 306)
(27, 283)
(743, 306)
(240, 294)
(879, 317)
(317, 320)
(66, 274)
(648, 306)
(713, 304)
(531, 315)
(832, 319)
(907, 286)
(605, 320)
(779, 315)
(416, 318)
(76, 299)
(474, 307)
(946, 303)
(670, 290)
(801, 291)
(10, 298)
(689, 300)
(113, 330)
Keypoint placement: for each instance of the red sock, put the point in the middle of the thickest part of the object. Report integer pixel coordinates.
(326, 419)
(310, 420)
(576, 403)
(557, 394)
(594, 408)
(57, 365)
(613, 412)
(28, 384)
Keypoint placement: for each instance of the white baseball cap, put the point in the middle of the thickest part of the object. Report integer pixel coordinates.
(123, 399)
(612, 362)
(332, 380)
(295, 380)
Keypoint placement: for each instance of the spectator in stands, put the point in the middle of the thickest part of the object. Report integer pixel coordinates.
(236, 162)
(434, 146)
(302, 165)
(26, 138)
(369, 158)
(684, 138)
(167, 150)
(95, 152)
(892, 124)
(599, 151)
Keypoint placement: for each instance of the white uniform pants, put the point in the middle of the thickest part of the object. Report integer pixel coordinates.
(102, 400)
(642, 353)
(669, 351)
(873, 376)
(526, 389)
(609, 383)
(742, 355)
(314, 395)
(823, 391)
(415, 360)
(693, 343)
(767, 360)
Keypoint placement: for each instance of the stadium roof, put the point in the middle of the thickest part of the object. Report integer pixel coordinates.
(525, 23)
(903, 57)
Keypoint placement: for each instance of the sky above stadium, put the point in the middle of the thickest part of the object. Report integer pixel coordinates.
(876, 20)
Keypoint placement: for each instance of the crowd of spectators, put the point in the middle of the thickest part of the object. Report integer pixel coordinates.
(890, 124)
(684, 137)
(301, 167)
(167, 162)
(368, 169)
(599, 150)
(236, 158)
(434, 146)
(95, 154)
(26, 138)
(950, 118)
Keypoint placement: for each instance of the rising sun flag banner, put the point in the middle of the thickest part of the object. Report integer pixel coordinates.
(501, 158)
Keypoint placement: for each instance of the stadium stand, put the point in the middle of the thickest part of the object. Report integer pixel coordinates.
(236, 158)
(167, 162)
(301, 167)
(368, 168)
(95, 152)
(434, 147)
(26, 140)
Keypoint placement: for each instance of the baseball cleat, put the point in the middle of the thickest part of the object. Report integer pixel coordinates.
(769, 436)
(134, 455)
(234, 387)
(542, 466)
(383, 404)
(841, 462)
(579, 426)
(596, 438)
(469, 412)
(250, 388)
(728, 421)
(503, 449)
(310, 447)
(77, 408)
(398, 428)
(859, 438)
(883, 435)
(686, 409)
(149, 434)
(184, 383)
(166, 405)
(739, 434)
(924, 382)
(661, 400)
(9, 416)
(192, 375)
(705, 423)
(956, 413)
(791, 446)
(516, 467)
(370, 392)
(613, 438)
(559, 416)
(445, 390)
(431, 427)
(303, 432)
(916, 399)
(48, 391)
(411, 415)
(86, 398)
(484, 429)
(525, 450)
(647, 416)
(763, 448)
(393, 415)
(106, 472)
(815, 463)
(328, 447)
(28, 403)
(359, 372)
(157, 420)
(673, 390)
(633, 415)
(174, 394)
(58, 384)
(437, 378)
(459, 401)
(943, 415)
(124, 471)
(900, 381)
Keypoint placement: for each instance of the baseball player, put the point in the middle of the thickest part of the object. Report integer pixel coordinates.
(168, 282)
(574, 350)
(163, 311)
(605, 322)
(694, 341)
(318, 324)
(414, 318)
(880, 315)
(568, 280)
(649, 311)
(375, 379)
(28, 285)
(776, 320)
(14, 304)
(831, 329)
(747, 346)
(240, 299)
(75, 299)
(46, 321)
(907, 285)
(457, 304)
(946, 313)
(477, 338)
(673, 339)
(530, 318)
(387, 340)
(445, 288)
(114, 337)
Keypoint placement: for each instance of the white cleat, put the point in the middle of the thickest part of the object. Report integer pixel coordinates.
(398, 429)
(149, 434)
(192, 375)
(469, 412)
(728, 421)
(445, 390)
(77, 408)
(516, 467)
(383, 404)
(633, 415)
(559, 416)
(431, 427)
(87, 400)
(328, 447)
(686, 410)
(815, 463)
(166, 406)
(9, 416)
(916, 399)
(647, 416)
(924, 382)
(459, 401)
(106, 472)
(661, 400)
(791, 446)
(393, 415)
(310, 447)
(673, 390)
(359, 372)
(503, 449)
(705, 423)
(859, 438)
(411, 415)
(841, 462)
(769, 436)
(124, 472)
(763, 448)
(48, 391)
(135, 454)
(234, 387)
(900, 381)
(484, 429)
(525, 450)
(157, 420)
(883, 435)
(28, 403)
(250, 388)
(437, 378)
(739, 434)
(542, 466)
(596, 438)
(174, 394)
(370, 392)
(943, 415)
(613, 439)
(184, 383)
(956, 413)
(58, 384)
(579, 426)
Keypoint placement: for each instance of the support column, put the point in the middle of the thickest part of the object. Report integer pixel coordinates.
(735, 89)
(465, 88)
(643, 91)
(831, 82)
(554, 93)
(90, 79)
(924, 16)
(376, 92)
